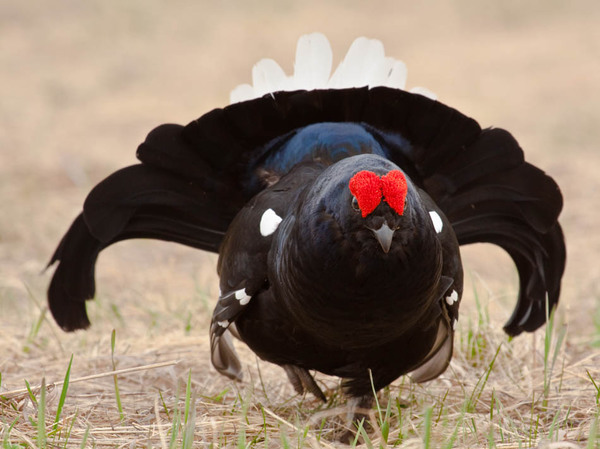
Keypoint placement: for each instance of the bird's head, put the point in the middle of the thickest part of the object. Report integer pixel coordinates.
(368, 191)
(364, 216)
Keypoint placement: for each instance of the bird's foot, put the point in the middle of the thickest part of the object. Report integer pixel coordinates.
(303, 381)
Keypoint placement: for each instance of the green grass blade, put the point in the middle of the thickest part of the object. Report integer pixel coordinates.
(595, 386)
(481, 383)
(451, 441)
(175, 428)
(262, 382)
(6, 440)
(188, 396)
(176, 420)
(593, 436)
(30, 393)
(556, 338)
(41, 417)
(37, 325)
(363, 433)
(241, 442)
(164, 405)
(63, 395)
(189, 420)
(285, 444)
(85, 438)
(427, 423)
(113, 338)
(375, 396)
(69, 430)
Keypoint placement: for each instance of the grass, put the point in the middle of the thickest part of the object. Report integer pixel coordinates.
(497, 393)
(63, 396)
(113, 337)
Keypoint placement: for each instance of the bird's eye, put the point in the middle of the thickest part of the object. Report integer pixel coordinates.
(355, 204)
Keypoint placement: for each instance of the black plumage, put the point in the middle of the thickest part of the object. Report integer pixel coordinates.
(306, 281)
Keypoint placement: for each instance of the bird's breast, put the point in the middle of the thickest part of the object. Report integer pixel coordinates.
(352, 297)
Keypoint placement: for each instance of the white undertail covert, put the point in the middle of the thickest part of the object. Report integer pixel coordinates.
(365, 64)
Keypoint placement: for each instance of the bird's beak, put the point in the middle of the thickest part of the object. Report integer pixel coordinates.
(384, 236)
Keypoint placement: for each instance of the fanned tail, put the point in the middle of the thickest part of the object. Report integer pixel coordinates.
(479, 178)
(490, 194)
(194, 179)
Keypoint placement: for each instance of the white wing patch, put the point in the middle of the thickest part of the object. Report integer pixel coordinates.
(452, 298)
(438, 225)
(268, 223)
(242, 296)
(365, 64)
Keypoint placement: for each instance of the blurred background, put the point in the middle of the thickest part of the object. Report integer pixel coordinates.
(82, 82)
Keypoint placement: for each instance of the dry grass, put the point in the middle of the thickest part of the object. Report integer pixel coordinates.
(82, 82)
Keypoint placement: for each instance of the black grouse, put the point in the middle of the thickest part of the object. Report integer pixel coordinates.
(337, 206)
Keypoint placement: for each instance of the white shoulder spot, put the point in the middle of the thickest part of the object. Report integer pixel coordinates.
(437, 221)
(452, 298)
(269, 222)
(224, 323)
(242, 296)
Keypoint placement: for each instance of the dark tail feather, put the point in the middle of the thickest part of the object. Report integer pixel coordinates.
(135, 202)
(530, 315)
(73, 280)
(490, 194)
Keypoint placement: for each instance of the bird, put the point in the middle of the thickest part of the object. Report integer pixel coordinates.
(337, 204)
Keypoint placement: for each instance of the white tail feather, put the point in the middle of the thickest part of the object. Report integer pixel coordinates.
(243, 92)
(267, 77)
(381, 72)
(313, 62)
(397, 76)
(363, 56)
(365, 64)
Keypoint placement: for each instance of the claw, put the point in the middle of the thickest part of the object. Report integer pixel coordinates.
(303, 381)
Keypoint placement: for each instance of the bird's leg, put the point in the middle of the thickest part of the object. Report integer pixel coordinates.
(358, 410)
(303, 381)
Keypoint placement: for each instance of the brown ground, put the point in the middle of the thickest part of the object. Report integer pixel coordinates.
(82, 82)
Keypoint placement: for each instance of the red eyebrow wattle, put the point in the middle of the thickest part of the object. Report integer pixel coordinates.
(368, 189)
(394, 189)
